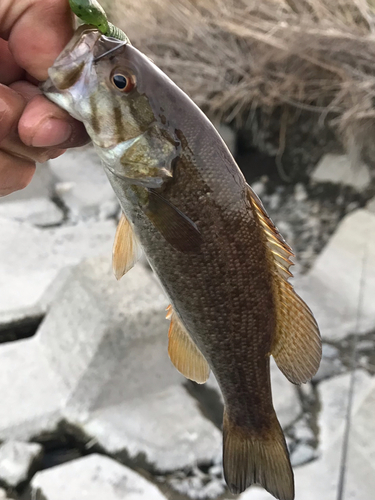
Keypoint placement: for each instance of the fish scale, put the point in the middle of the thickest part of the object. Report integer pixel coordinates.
(220, 259)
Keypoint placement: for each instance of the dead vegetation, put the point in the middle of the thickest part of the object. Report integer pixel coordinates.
(235, 57)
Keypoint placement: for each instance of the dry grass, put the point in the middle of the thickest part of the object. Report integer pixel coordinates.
(236, 56)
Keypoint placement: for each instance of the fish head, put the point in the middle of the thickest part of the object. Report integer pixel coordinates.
(113, 89)
(95, 81)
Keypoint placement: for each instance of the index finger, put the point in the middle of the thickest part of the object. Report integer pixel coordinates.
(37, 31)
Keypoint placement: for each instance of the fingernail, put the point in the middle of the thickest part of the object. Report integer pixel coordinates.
(51, 132)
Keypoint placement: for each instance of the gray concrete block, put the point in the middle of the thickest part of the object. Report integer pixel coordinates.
(334, 395)
(102, 332)
(31, 393)
(320, 479)
(31, 258)
(93, 478)
(363, 425)
(332, 288)
(162, 430)
(18, 461)
(339, 169)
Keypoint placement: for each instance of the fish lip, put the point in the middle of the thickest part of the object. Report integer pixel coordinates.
(48, 87)
(87, 45)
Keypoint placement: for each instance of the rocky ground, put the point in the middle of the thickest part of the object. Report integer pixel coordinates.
(91, 405)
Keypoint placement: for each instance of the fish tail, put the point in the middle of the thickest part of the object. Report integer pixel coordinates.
(251, 457)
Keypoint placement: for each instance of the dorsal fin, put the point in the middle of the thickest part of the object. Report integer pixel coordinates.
(126, 248)
(183, 352)
(297, 345)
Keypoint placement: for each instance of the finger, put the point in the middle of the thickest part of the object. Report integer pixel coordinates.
(12, 105)
(26, 89)
(9, 70)
(13, 145)
(15, 173)
(37, 31)
(43, 124)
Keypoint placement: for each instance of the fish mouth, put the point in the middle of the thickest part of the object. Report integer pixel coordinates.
(48, 87)
(86, 47)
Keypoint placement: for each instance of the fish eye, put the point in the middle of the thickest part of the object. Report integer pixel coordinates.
(122, 82)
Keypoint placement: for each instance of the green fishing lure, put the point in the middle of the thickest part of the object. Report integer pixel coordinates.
(91, 12)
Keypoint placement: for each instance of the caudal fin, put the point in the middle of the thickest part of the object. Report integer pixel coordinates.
(250, 458)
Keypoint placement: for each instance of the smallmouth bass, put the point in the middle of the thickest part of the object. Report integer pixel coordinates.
(221, 260)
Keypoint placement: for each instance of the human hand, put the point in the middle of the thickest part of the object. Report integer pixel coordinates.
(32, 34)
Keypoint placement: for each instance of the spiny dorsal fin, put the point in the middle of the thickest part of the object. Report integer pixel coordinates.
(126, 249)
(297, 345)
(183, 352)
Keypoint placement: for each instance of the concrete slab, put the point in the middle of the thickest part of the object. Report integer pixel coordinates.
(31, 259)
(332, 288)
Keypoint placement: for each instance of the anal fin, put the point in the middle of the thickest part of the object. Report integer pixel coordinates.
(126, 249)
(183, 352)
(297, 347)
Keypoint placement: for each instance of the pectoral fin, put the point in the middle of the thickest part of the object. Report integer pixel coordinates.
(297, 347)
(126, 248)
(183, 352)
(179, 231)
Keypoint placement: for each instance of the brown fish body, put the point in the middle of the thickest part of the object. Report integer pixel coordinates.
(218, 256)
(223, 292)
